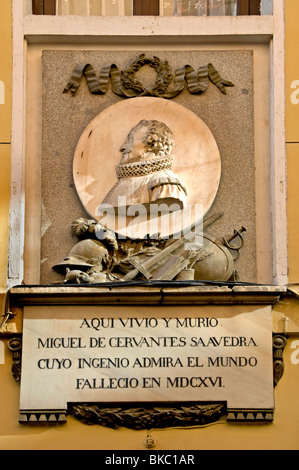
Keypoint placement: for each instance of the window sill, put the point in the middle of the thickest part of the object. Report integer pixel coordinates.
(126, 29)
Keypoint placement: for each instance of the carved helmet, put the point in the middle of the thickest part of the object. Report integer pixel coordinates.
(84, 255)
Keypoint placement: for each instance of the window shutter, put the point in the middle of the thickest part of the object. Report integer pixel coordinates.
(249, 7)
(243, 7)
(146, 7)
(255, 7)
(44, 7)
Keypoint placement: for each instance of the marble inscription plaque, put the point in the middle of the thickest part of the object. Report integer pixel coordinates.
(108, 354)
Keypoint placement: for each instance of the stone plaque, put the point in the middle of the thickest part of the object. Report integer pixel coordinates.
(200, 123)
(144, 354)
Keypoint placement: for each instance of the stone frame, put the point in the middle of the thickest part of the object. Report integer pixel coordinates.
(239, 30)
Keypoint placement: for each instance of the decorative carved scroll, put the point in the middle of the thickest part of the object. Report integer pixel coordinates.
(279, 343)
(167, 85)
(15, 347)
(149, 418)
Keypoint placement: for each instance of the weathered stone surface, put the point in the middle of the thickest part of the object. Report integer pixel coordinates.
(229, 117)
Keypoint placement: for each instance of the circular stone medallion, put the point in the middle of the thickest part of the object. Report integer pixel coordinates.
(196, 163)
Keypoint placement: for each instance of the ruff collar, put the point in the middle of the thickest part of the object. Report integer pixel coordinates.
(144, 167)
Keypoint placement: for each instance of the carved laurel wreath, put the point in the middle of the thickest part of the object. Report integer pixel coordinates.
(164, 76)
(149, 418)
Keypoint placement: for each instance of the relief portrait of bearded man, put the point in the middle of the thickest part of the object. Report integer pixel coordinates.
(144, 172)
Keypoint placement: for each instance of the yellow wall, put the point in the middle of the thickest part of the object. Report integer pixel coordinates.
(5, 132)
(292, 133)
(282, 434)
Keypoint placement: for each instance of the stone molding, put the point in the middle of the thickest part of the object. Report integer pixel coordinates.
(154, 293)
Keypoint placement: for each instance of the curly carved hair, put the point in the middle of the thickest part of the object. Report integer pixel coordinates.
(159, 138)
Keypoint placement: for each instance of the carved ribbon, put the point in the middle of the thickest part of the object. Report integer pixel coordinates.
(125, 85)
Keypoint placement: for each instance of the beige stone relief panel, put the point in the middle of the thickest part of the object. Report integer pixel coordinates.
(229, 117)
